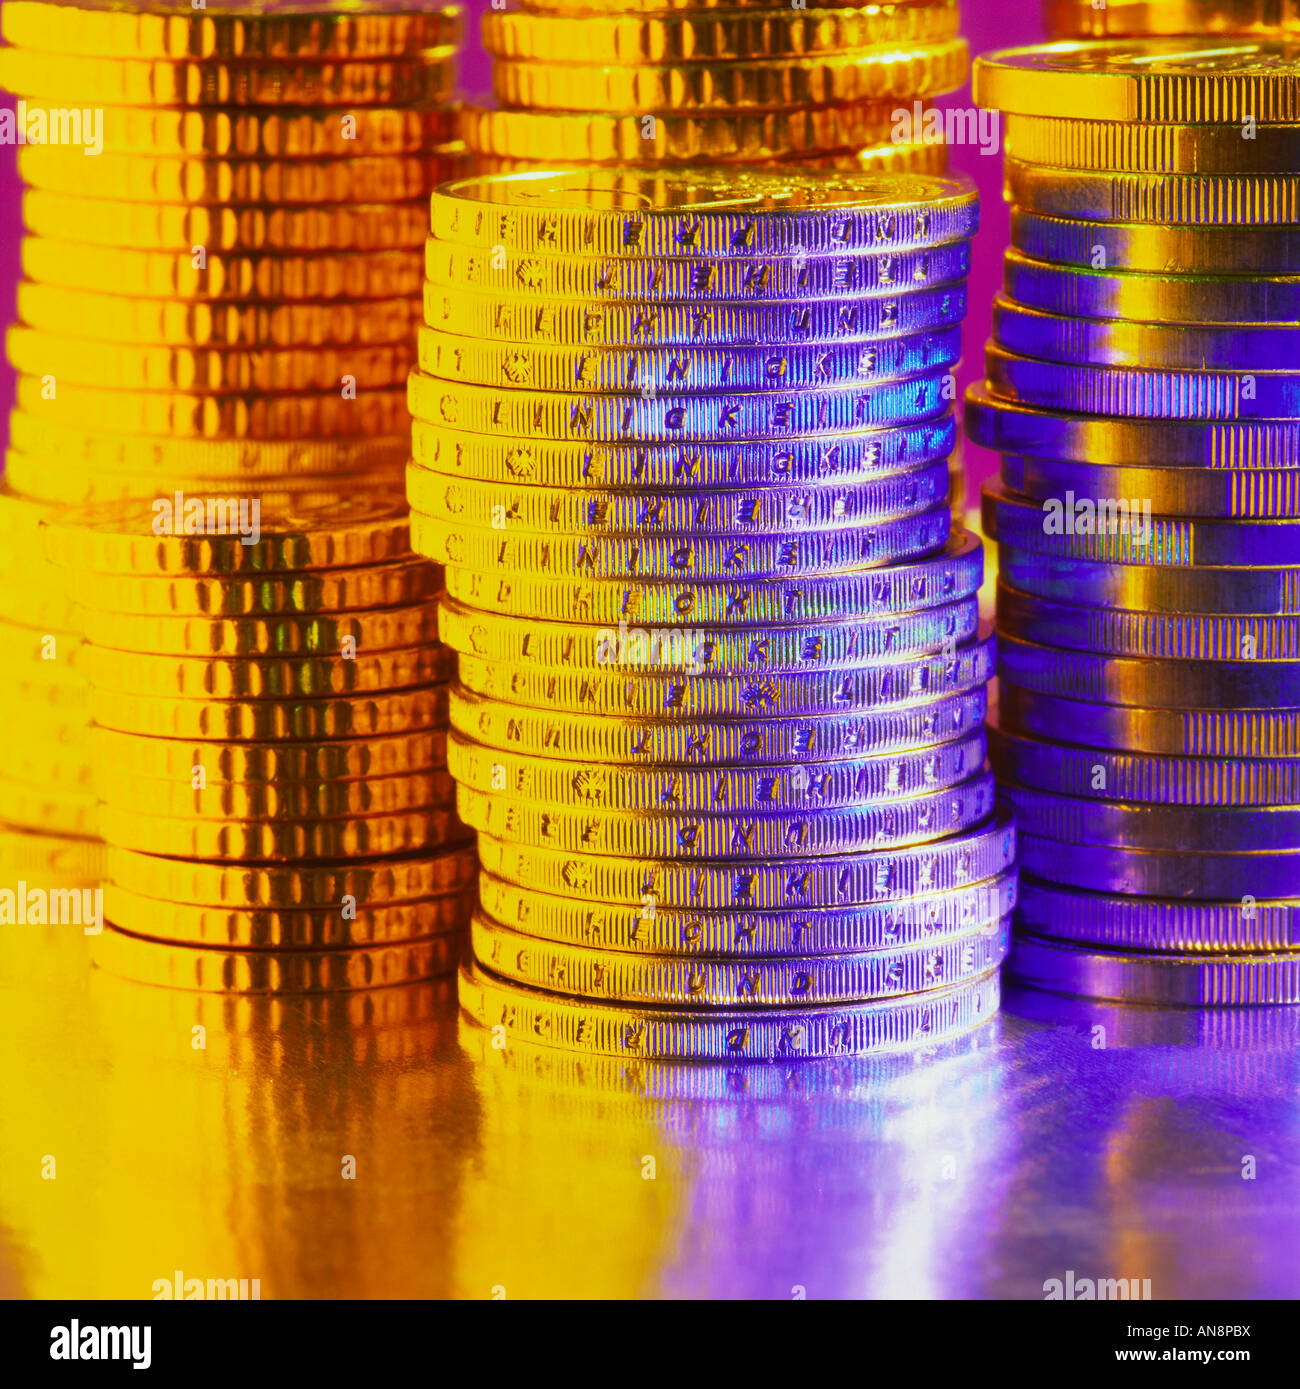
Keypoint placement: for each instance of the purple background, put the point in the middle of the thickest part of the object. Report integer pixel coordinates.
(991, 24)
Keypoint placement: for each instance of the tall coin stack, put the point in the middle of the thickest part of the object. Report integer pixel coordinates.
(1144, 390)
(224, 214)
(681, 443)
(665, 82)
(269, 744)
(1204, 19)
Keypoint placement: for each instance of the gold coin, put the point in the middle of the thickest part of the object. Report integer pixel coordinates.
(647, 368)
(679, 417)
(727, 279)
(142, 178)
(44, 607)
(170, 275)
(84, 362)
(594, 138)
(60, 481)
(60, 758)
(747, 982)
(196, 536)
(1105, 196)
(62, 811)
(21, 517)
(176, 29)
(90, 81)
(310, 887)
(1162, 249)
(286, 928)
(148, 133)
(911, 157)
(773, 510)
(51, 858)
(158, 227)
(266, 971)
(681, 38)
(1171, 302)
(870, 75)
(1263, 19)
(1158, 81)
(341, 760)
(686, 933)
(273, 720)
(55, 693)
(325, 594)
(157, 322)
(256, 841)
(293, 634)
(53, 652)
(250, 462)
(268, 677)
(725, 1034)
(1125, 146)
(247, 416)
(274, 802)
(703, 212)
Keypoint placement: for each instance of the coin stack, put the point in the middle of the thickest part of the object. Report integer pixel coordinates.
(269, 746)
(681, 442)
(663, 82)
(1143, 387)
(1086, 19)
(223, 213)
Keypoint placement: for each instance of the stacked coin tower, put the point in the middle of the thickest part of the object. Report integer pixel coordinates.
(1086, 19)
(681, 443)
(1144, 390)
(269, 744)
(661, 82)
(224, 215)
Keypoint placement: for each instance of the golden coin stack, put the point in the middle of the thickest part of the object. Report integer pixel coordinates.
(681, 441)
(1204, 19)
(1143, 389)
(223, 218)
(662, 82)
(269, 745)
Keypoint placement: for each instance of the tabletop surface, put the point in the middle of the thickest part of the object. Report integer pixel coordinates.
(376, 1145)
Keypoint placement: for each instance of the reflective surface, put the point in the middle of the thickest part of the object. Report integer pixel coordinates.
(1038, 1146)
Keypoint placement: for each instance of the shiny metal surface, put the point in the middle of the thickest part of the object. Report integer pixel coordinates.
(1039, 1146)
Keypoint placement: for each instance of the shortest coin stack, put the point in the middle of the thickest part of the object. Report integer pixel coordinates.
(269, 739)
(719, 716)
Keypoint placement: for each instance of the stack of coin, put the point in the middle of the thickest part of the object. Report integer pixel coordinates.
(1088, 19)
(665, 82)
(1144, 390)
(269, 745)
(681, 441)
(223, 213)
